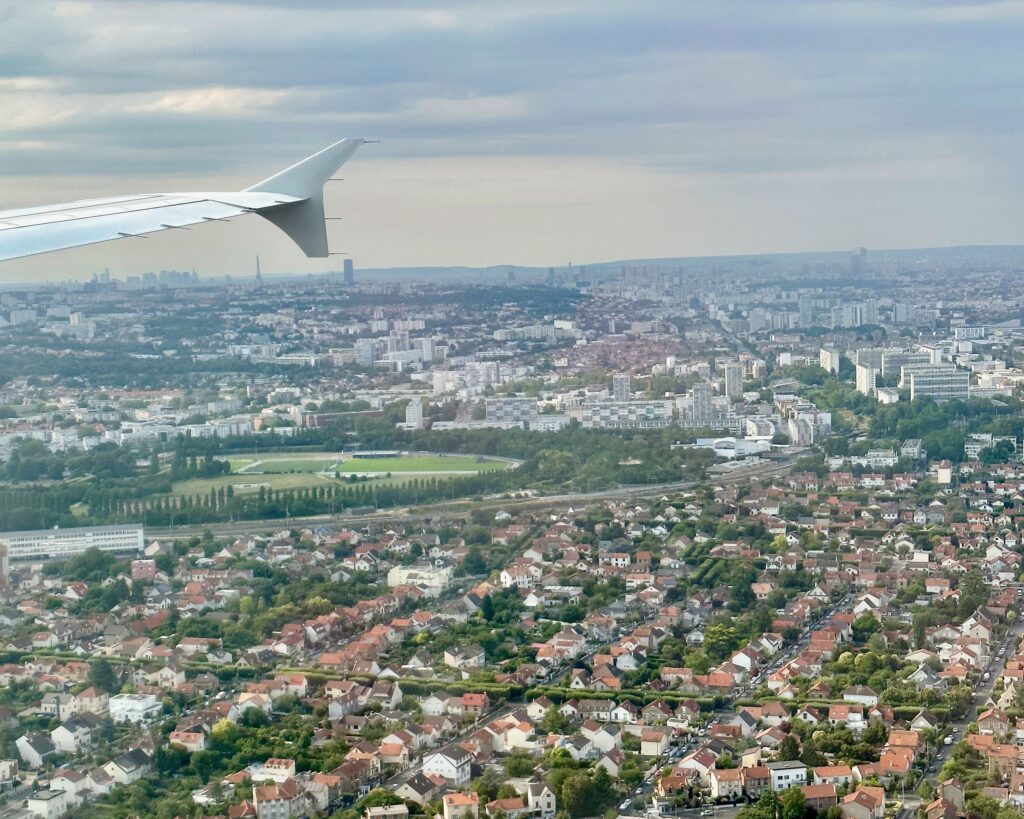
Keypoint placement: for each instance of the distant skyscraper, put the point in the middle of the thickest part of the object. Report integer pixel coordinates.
(622, 388)
(859, 263)
(350, 272)
(366, 352)
(805, 304)
(259, 275)
(734, 381)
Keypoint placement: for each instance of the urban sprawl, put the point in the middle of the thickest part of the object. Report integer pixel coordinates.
(724, 537)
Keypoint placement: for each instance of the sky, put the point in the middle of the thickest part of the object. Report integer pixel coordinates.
(534, 132)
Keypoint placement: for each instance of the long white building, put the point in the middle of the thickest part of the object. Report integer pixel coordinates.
(943, 382)
(59, 544)
(626, 415)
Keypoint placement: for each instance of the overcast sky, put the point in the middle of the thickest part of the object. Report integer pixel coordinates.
(526, 132)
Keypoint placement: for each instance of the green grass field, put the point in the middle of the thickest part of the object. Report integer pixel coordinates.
(276, 463)
(282, 471)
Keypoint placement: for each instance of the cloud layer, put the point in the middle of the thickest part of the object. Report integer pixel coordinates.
(529, 132)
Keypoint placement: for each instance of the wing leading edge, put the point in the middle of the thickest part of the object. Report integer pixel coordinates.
(292, 199)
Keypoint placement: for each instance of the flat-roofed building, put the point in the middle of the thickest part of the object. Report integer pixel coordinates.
(867, 378)
(512, 409)
(828, 358)
(59, 544)
(627, 415)
(943, 382)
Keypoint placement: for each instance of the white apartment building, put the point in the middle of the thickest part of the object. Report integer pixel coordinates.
(981, 440)
(414, 413)
(626, 415)
(59, 544)
(828, 358)
(895, 360)
(434, 579)
(733, 380)
(512, 409)
(622, 387)
(134, 708)
(942, 382)
(867, 378)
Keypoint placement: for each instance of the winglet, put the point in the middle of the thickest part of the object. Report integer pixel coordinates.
(304, 221)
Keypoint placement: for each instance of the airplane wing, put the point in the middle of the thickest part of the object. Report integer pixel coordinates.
(292, 200)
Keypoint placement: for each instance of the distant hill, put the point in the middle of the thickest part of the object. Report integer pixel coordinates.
(1001, 255)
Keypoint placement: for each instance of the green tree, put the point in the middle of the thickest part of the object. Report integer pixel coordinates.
(809, 755)
(864, 626)
(555, 722)
(102, 676)
(474, 562)
(576, 794)
(519, 763)
(377, 798)
(793, 804)
(719, 640)
(789, 749)
(487, 608)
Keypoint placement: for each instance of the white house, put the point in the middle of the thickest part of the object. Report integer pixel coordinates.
(75, 734)
(129, 767)
(452, 763)
(134, 708)
(34, 749)
(73, 783)
(539, 798)
(787, 774)
(866, 696)
(48, 804)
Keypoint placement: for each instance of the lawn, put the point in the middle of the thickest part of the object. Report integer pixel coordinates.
(329, 463)
(283, 471)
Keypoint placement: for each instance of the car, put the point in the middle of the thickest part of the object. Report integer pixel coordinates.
(707, 812)
(624, 805)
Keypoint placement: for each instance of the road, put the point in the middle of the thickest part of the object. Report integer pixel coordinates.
(452, 510)
(983, 690)
(646, 790)
(717, 811)
(404, 776)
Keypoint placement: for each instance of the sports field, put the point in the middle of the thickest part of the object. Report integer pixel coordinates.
(287, 470)
(345, 463)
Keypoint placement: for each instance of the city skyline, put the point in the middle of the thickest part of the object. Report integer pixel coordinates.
(525, 136)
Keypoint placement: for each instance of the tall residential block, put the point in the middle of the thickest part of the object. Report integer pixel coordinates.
(622, 387)
(733, 381)
(867, 379)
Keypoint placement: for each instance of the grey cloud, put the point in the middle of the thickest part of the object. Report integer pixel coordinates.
(737, 91)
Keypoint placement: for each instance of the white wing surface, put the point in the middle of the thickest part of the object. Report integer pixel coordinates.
(291, 199)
